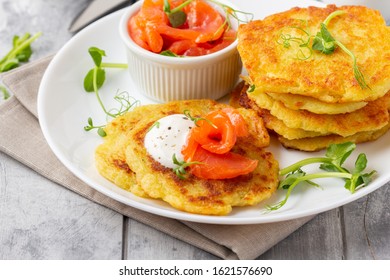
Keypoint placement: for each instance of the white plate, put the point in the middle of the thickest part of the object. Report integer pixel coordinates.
(64, 108)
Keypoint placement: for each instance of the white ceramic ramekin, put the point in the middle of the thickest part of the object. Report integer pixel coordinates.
(164, 78)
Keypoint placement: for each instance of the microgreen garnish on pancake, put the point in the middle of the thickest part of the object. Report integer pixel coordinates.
(187, 113)
(325, 43)
(303, 41)
(156, 124)
(180, 169)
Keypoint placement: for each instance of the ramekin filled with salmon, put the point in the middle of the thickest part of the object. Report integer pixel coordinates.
(182, 49)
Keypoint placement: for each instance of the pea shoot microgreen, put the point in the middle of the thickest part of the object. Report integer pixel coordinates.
(195, 119)
(156, 125)
(239, 16)
(323, 42)
(180, 169)
(5, 93)
(303, 40)
(251, 88)
(169, 53)
(21, 52)
(332, 164)
(96, 76)
(95, 79)
(100, 128)
(177, 17)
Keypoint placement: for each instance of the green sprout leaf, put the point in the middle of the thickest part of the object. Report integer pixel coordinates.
(94, 80)
(89, 79)
(195, 119)
(100, 128)
(167, 7)
(177, 19)
(335, 157)
(102, 132)
(180, 169)
(360, 164)
(5, 92)
(24, 54)
(154, 125)
(323, 42)
(302, 39)
(21, 52)
(97, 55)
(169, 53)
(291, 178)
(9, 65)
(251, 88)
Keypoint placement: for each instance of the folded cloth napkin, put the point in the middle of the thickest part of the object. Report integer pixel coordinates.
(22, 139)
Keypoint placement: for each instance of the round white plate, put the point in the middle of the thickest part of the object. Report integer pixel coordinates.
(64, 108)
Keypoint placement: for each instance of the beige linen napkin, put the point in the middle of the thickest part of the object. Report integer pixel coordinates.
(22, 139)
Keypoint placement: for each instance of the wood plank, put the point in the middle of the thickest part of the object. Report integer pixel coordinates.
(367, 226)
(377, 223)
(51, 18)
(319, 239)
(144, 242)
(41, 220)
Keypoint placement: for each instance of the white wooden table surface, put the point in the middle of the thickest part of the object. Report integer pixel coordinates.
(42, 220)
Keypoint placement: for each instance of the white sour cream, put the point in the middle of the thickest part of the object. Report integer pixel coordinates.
(167, 137)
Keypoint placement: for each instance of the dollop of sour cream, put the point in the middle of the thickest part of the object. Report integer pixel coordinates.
(167, 137)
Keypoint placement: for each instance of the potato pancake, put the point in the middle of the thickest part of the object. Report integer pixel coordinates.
(280, 128)
(300, 102)
(322, 142)
(371, 117)
(239, 98)
(300, 139)
(202, 196)
(110, 159)
(275, 64)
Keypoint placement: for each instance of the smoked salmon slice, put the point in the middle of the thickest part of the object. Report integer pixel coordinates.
(210, 143)
(204, 31)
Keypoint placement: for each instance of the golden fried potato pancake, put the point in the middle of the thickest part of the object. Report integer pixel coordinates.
(275, 68)
(373, 116)
(110, 159)
(300, 102)
(321, 142)
(280, 128)
(239, 98)
(297, 138)
(195, 195)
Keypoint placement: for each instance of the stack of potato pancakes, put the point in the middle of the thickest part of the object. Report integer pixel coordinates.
(311, 99)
